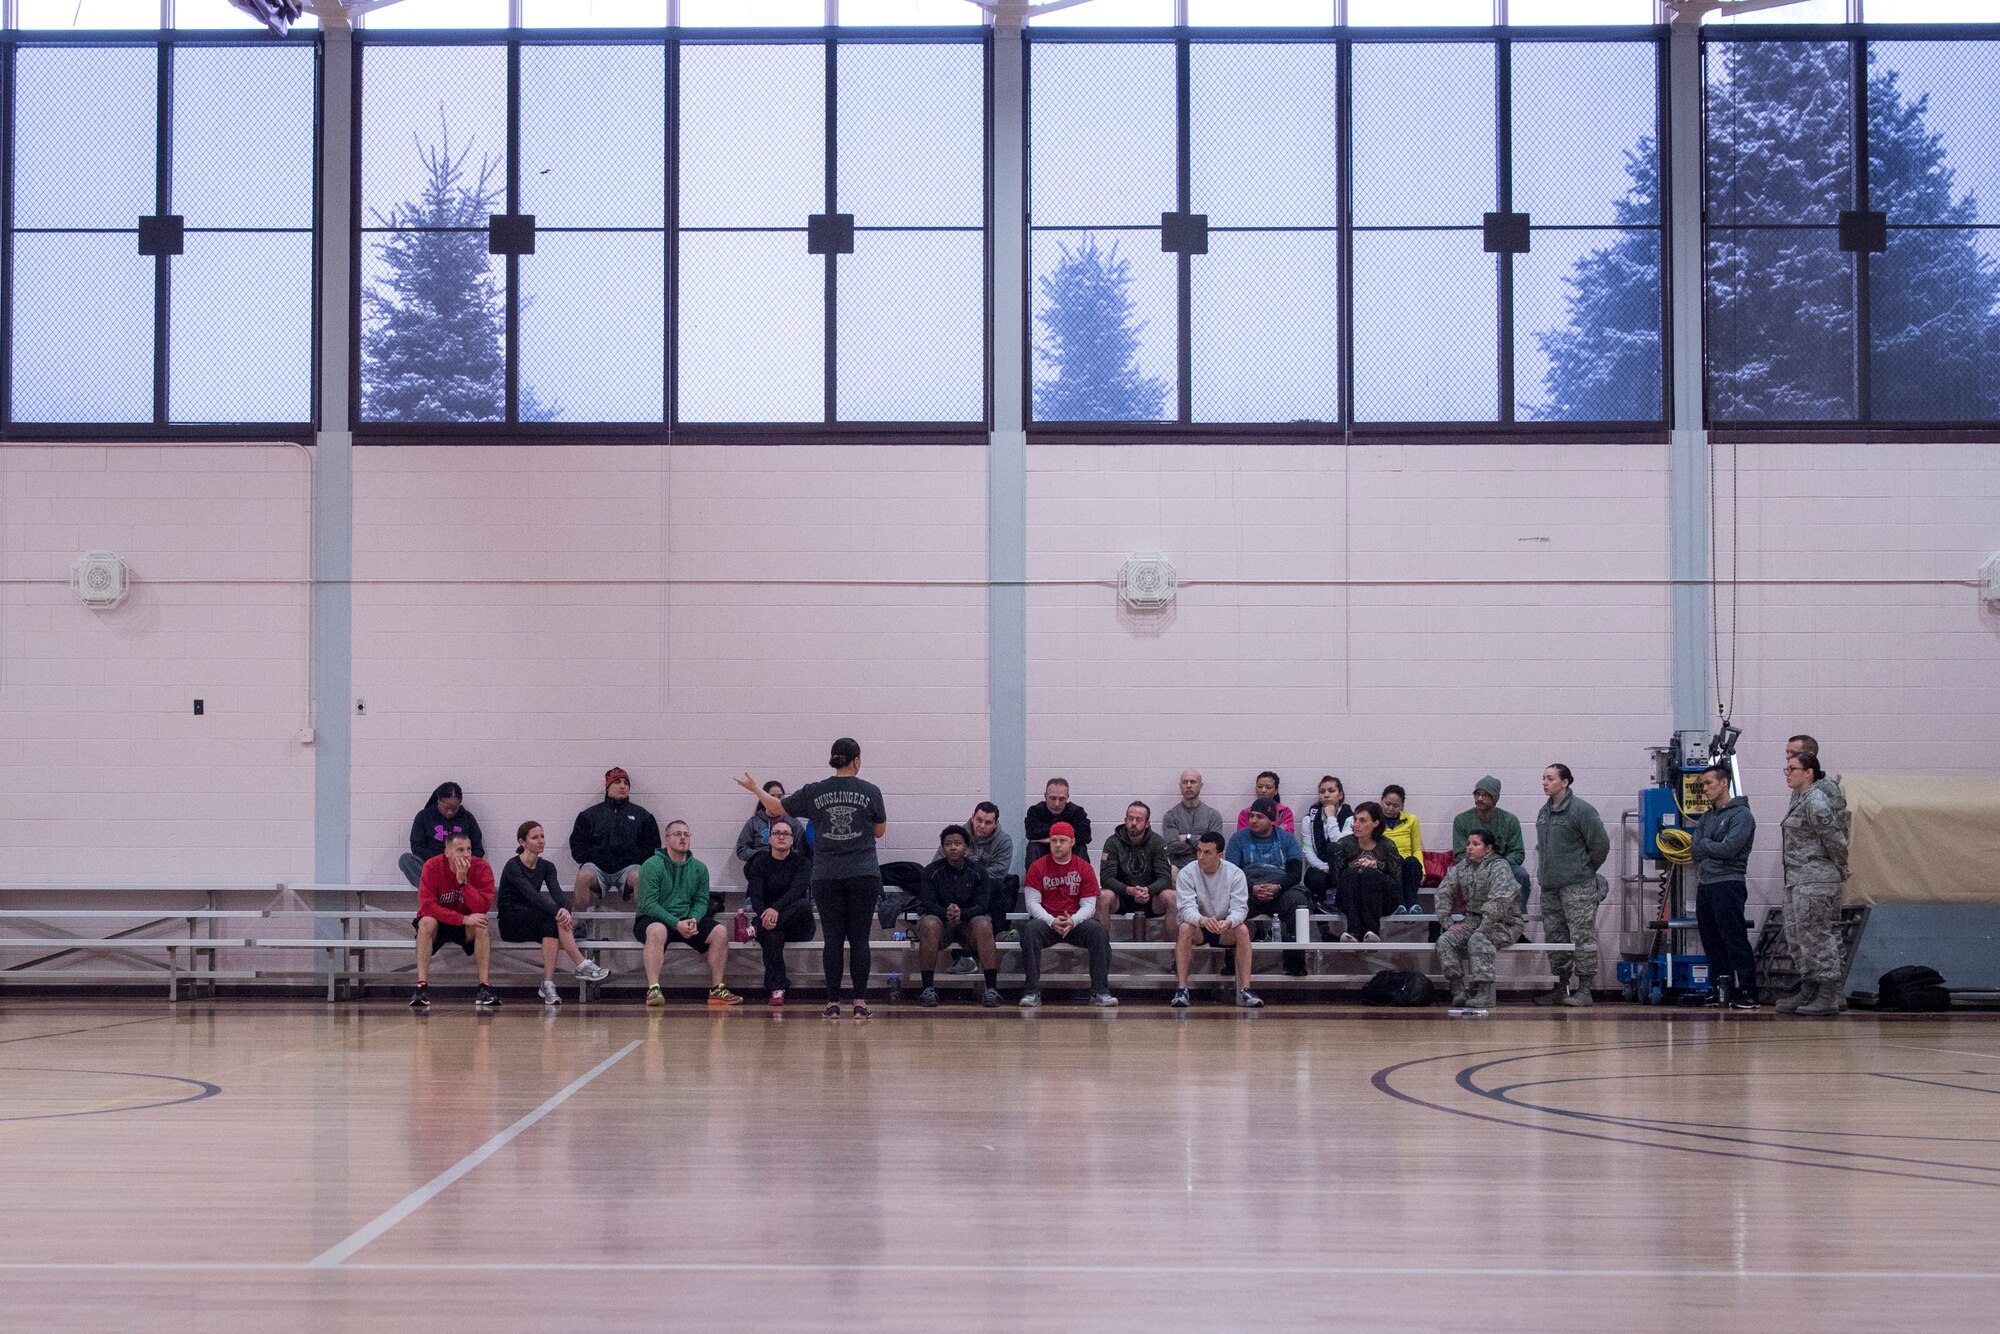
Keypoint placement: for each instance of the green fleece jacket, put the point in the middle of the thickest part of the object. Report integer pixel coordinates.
(1503, 825)
(671, 891)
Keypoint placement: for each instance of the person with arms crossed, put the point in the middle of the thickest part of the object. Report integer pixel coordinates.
(1722, 842)
(1055, 805)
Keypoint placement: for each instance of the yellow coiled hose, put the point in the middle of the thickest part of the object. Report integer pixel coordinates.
(1677, 846)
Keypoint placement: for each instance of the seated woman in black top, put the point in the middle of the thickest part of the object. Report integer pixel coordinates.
(1367, 873)
(533, 907)
(779, 877)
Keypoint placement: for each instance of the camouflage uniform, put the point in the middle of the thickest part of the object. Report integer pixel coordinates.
(1815, 831)
(1492, 908)
(1570, 844)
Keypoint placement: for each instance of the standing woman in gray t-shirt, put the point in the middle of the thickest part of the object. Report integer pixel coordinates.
(847, 817)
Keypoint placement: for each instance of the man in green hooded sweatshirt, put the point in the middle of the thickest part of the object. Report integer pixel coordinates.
(1503, 825)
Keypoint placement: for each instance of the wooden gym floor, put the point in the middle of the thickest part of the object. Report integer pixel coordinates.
(269, 1165)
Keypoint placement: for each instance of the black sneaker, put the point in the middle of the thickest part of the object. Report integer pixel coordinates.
(420, 999)
(929, 999)
(1743, 1003)
(1181, 1000)
(990, 998)
(484, 999)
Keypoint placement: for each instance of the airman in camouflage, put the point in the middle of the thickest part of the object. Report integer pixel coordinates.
(1480, 904)
(1570, 846)
(1815, 866)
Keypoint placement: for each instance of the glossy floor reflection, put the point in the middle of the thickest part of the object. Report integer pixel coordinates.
(227, 1166)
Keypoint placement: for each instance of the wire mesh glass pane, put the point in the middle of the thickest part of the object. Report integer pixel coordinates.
(1586, 143)
(911, 136)
(83, 329)
(1802, 11)
(1932, 107)
(1263, 134)
(593, 328)
(1780, 140)
(1564, 13)
(1587, 328)
(433, 321)
(1930, 11)
(223, 177)
(240, 329)
(85, 105)
(1934, 326)
(433, 134)
(753, 135)
(753, 13)
(594, 13)
(1446, 175)
(1424, 14)
(1105, 327)
(1261, 13)
(1110, 14)
(1103, 141)
(1264, 328)
(1781, 327)
(911, 335)
(212, 14)
(443, 14)
(94, 14)
(1426, 311)
(922, 13)
(593, 135)
(752, 328)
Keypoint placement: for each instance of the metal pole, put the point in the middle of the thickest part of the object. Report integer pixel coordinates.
(1688, 452)
(1007, 447)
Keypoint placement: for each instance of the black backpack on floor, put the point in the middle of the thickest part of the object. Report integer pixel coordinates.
(1912, 987)
(1390, 987)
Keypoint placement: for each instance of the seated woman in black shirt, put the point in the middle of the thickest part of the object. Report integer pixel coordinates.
(533, 907)
(1367, 873)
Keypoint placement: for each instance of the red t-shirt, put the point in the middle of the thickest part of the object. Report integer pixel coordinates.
(1063, 887)
(440, 895)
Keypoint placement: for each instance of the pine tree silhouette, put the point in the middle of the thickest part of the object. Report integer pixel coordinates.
(1781, 303)
(1090, 342)
(433, 325)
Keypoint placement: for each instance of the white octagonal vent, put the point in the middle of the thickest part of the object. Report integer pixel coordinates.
(100, 579)
(1147, 580)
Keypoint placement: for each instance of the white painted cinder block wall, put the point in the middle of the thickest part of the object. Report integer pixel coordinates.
(525, 617)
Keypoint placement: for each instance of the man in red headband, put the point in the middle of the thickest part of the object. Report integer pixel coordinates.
(1062, 910)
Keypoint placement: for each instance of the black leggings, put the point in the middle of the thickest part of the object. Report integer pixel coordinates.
(1364, 896)
(846, 906)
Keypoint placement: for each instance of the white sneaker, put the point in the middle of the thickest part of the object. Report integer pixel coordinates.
(591, 971)
(547, 992)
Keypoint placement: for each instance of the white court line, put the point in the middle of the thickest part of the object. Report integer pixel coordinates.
(1082, 1271)
(424, 1194)
(1954, 1051)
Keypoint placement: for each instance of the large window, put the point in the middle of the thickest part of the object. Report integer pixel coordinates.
(1236, 231)
(161, 253)
(702, 231)
(1853, 195)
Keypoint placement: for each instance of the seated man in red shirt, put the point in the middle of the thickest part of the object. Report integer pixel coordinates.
(1062, 910)
(454, 894)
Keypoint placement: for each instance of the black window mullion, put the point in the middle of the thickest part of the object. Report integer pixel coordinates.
(7, 235)
(1344, 189)
(1864, 340)
(163, 203)
(670, 237)
(1503, 162)
(1184, 205)
(511, 375)
(832, 207)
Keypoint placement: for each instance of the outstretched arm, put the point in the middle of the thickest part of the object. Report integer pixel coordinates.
(773, 806)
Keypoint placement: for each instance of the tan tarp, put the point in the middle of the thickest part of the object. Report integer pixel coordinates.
(1923, 840)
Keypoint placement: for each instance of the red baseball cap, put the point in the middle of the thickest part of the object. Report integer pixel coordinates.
(1062, 827)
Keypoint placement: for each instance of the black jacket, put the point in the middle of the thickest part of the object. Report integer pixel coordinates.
(777, 884)
(1144, 865)
(613, 835)
(1036, 826)
(1386, 857)
(428, 830)
(967, 887)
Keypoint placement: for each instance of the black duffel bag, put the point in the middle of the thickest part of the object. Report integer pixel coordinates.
(1390, 987)
(1912, 987)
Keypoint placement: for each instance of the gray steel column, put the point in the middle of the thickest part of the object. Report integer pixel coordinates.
(333, 474)
(1688, 453)
(1007, 448)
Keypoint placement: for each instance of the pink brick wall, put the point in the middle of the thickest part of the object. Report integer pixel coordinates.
(105, 772)
(525, 684)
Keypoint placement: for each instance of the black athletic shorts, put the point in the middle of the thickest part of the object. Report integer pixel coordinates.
(699, 942)
(955, 935)
(1151, 907)
(527, 924)
(449, 933)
